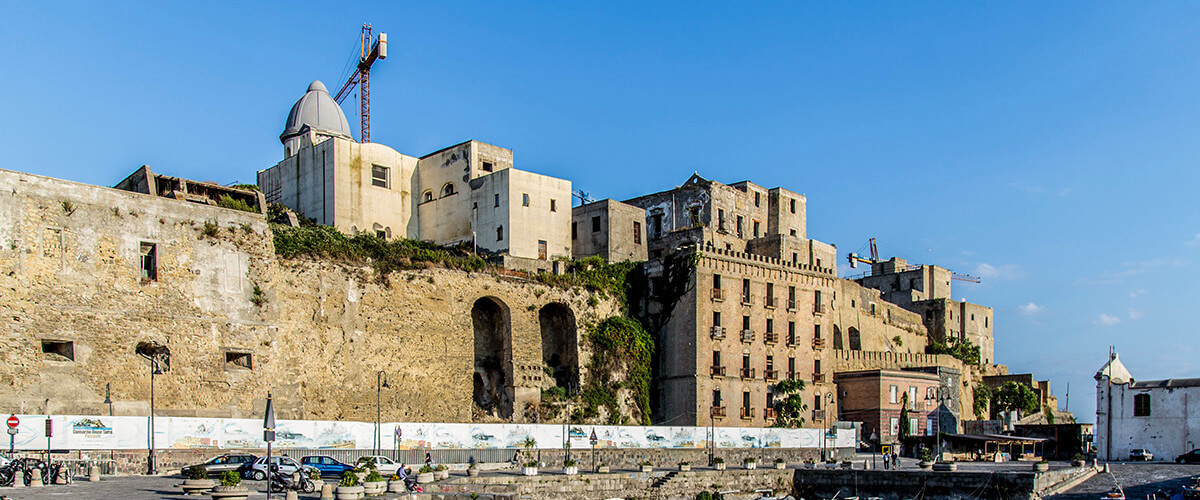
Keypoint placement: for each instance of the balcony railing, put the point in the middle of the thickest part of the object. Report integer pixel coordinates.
(747, 336)
(818, 378)
(818, 308)
(747, 413)
(818, 343)
(717, 371)
(747, 300)
(771, 338)
(770, 301)
(717, 332)
(718, 411)
(791, 375)
(791, 304)
(791, 339)
(770, 413)
(747, 373)
(718, 294)
(818, 415)
(771, 375)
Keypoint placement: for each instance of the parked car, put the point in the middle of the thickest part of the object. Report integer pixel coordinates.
(257, 470)
(384, 465)
(1190, 457)
(227, 462)
(326, 465)
(1140, 455)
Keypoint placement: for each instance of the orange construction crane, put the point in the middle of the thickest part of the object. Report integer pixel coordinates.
(362, 77)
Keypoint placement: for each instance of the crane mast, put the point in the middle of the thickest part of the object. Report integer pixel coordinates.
(368, 53)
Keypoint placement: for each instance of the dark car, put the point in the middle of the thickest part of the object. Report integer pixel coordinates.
(227, 462)
(1140, 455)
(328, 466)
(1190, 457)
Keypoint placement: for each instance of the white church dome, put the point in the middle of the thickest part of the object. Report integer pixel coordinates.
(317, 110)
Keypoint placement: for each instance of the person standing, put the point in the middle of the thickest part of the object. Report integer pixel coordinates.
(887, 461)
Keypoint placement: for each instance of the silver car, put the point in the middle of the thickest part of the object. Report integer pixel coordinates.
(258, 469)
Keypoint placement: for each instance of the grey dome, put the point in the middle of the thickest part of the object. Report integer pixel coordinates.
(317, 110)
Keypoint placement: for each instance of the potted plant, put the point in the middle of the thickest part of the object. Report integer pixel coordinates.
(365, 466)
(847, 464)
(646, 466)
(530, 468)
(230, 488)
(1042, 466)
(395, 484)
(1078, 460)
(197, 481)
(569, 467)
(473, 469)
(374, 483)
(926, 458)
(831, 464)
(440, 472)
(684, 466)
(602, 469)
(425, 475)
(719, 463)
(348, 488)
(780, 464)
(750, 463)
(314, 475)
(810, 463)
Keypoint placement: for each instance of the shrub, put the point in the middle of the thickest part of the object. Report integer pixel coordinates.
(195, 472)
(569, 462)
(425, 469)
(348, 479)
(531, 463)
(440, 467)
(373, 477)
(230, 478)
(750, 460)
(314, 474)
(210, 229)
(704, 495)
(226, 201)
(718, 460)
(925, 455)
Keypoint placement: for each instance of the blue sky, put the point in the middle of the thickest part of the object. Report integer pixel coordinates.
(1048, 148)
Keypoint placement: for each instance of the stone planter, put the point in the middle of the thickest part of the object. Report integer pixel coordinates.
(925, 464)
(647, 468)
(571, 471)
(945, 466)
(348, 492)
(603, 469)
(473, 472)
(810, 465)
(396, 486)
(374, 487)
(194, 487)
(750, 465)
(847, 465)
(529, 471)
(1041, 466)
(425, 478)
(720, 465)
(93, 473)
(318, 484)
(238, 492)
(780, 465)
(439, 475)
(685, 467)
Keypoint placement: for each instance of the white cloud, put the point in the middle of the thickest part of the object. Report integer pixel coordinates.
(1030, 309)
(1194, 242)
(1002, 272)
(1135, 314)
(1106, 320)
(1137, 293)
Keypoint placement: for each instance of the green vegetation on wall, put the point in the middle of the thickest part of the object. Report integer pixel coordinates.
(384, 256)
(959, 347)
(619, 345)
(594, 275)
(982, 395)
(790, 409)
(226, 201)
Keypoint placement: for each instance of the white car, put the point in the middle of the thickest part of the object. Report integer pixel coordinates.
(384, 465)
(257, 470)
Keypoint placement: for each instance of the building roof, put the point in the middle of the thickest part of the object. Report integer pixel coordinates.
(1171, 382)
(997, 438)
(1115, 371)
(318, 111)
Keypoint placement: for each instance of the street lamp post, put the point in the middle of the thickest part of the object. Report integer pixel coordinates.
(828, 398)
(152, 467)
(943, 395)
(380, 383)
(874, 444)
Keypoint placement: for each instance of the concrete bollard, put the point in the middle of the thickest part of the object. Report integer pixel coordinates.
(35, 478)
(19, 481)
(93, 472)
(327, 492)
(291, 495)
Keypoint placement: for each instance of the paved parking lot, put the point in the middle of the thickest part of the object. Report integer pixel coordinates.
(1138, 480)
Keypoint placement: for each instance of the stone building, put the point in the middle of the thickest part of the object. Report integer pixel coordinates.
(467, 193)
(876, 398)
(1154, 415)
(609, 229)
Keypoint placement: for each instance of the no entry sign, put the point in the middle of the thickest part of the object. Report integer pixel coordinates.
(13, 421)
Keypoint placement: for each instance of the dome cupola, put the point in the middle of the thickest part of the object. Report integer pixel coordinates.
(319, 112)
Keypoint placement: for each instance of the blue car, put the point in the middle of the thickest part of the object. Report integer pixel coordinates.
(328, 466)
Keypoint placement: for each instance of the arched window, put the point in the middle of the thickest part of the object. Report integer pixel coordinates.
(855, 339)
(448, 189)
(1141, 405)
(427, 196)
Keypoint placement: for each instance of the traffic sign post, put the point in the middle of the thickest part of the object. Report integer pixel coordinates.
(593, 440)
(13, 422)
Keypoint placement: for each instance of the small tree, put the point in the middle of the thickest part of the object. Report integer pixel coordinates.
(790, 406)
(905, 431)
(1015, 396)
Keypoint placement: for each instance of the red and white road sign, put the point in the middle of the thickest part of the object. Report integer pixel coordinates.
(13, 422)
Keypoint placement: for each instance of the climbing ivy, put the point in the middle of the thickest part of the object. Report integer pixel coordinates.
(383, 255)
(982, 395)
(959, 347)
(619, 342)
(594, 275)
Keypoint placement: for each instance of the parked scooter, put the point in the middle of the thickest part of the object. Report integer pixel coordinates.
(14, 471)
(296, 481)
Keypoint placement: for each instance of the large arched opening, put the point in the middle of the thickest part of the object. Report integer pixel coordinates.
(493, 356)
(855, 339)
(560, 345)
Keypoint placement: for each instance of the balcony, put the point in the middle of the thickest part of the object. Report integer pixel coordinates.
(818, 308)
(770, 413)
(747, 413)
(770, 302)
(746, 299)
(818, 378)
(791, 340)
(718, 411)
(717, 371)
(771, 338)
(747, 336)
(791, 304)
(718, 294)
(747, 373)
(717, 332)
(818, 343)
(791, 375)
(771, 375)
(818, 415)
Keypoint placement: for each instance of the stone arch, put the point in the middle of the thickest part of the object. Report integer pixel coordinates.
(493, 379)
(837, 337)
(560, 344)
(448, 189)
(855, 339)
(427, 196)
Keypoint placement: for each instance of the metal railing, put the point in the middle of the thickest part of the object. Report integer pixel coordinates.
(718, 411)
(770, 413)
(717, 332)
(718, 294)
(771, 338)
(747, 413)
(747, 300)
(771, 374)
(818, 378)
(747, 373)
(747, 335)
(791, 304)
(818, 415)
(818, 343)
(818, 308)
(717, 371)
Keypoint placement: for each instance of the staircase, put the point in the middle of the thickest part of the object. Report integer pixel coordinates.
(655, 491)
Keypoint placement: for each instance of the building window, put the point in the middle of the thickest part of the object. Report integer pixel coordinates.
(596, 224)
(756, 225)
(791, 367)
(497, 200)
(817, 401)
(499, 233)
(447, 190)
(746, 402)
(757, 198)
(739, 226)
(637, 233)
(574, 230)
(791, 340)
(717, 397)
(379, 176)
(985, 321)
(656, 226)
(149, 261)
(716, 318)
(893, 394)
(553, 205)
(793, 202)
(771, 294)
(816, 331)
(524, 199)
(58, 350)
(487, 166)
(770, 325)
(720, 219)
(381, 234)
(745, 322)
(239, 360)
(816, 366)
(792, 231)
(716, 282)
(746, 362)
(159, 353)
(716, 358)
(427, 196)
(795, 258)
(745, 291)
(912, 395)
(542, 249)
(1141, 403)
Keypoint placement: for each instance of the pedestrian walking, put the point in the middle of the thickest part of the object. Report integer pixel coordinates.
(887, 461)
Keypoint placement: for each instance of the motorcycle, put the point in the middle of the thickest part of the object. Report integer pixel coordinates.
(57, 471)
(297, 481)
(11, 472)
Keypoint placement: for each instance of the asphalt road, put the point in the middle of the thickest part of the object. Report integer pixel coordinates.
(1137, 479)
